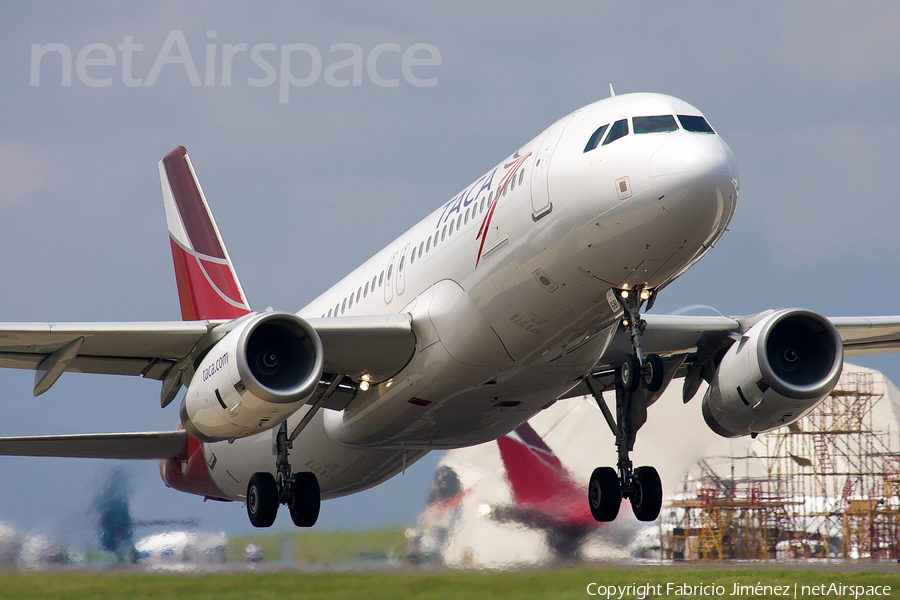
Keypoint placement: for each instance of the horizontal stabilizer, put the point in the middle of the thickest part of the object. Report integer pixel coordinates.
(148, 445)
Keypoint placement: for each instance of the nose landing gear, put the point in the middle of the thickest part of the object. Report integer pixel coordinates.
(641, 485)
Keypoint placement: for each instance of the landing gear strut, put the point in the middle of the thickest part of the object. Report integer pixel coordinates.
(300, 491)
(640, 485)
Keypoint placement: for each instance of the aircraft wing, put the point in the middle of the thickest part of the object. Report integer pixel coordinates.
(378, 345)
(692, 336)
(868, 335)
(147, 349)
(148, 445)
(683, 340)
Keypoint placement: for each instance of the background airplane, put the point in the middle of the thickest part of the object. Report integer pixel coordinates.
(782, 135)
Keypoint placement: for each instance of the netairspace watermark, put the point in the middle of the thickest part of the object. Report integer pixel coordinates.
(346, 64)
(738, 590)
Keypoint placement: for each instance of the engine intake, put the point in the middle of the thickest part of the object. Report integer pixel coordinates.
(253, 378)
(279, 358)
(781, 368)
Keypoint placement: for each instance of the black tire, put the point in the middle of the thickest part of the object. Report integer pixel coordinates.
(646, 497)
(630, 373)
(305, 499)
(604, 494)
(653, 373)
(262, 500)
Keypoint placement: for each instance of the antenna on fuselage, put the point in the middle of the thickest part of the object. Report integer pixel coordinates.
(612, 92)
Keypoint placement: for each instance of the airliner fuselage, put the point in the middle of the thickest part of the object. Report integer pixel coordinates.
(507, 287)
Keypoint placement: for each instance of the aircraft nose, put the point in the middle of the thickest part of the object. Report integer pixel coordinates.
(694, 177)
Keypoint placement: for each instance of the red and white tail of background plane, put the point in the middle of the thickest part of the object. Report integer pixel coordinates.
(545, 493)
(208, 287)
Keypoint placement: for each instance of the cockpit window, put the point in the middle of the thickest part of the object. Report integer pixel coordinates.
(595, 139)
(694, 123)
(618, 129)
(658, 124)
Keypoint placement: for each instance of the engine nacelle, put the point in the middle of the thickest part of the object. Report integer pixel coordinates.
(253, 378)
(778, 371)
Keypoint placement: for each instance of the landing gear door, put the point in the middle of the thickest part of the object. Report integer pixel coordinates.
(540, 188)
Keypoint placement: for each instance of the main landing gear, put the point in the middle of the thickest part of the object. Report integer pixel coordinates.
(641, 485)
(299, 491)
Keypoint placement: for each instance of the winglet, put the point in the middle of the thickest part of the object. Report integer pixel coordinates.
(208, 287)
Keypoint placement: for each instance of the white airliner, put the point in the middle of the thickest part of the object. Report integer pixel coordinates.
(523, 289)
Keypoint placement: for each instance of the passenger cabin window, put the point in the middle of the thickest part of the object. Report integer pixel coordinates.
(694, 123)
(595, 138)
(657, 124)
(619, 129)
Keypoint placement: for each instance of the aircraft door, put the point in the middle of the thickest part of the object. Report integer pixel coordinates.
(388, 285)
(401, 271)
(540, 187)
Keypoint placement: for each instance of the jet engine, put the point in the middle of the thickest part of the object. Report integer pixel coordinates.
(253, 378)
(778, 371)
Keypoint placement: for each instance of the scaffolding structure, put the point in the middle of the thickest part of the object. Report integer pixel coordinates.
(828, 486)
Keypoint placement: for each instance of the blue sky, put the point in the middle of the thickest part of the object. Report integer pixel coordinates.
(304, 191)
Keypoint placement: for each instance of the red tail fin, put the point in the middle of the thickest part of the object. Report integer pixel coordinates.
(208, 287)
(535, 474)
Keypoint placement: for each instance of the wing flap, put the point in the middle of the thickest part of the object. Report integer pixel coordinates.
(147, 445)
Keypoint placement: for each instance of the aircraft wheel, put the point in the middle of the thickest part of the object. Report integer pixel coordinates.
(305, 499)
(630, 373)
(604, 494)
(262, 500)
(653, 373)
(646, 497)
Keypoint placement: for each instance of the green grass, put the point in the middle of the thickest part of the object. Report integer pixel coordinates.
(469, 585)
(328, 547)
(313, 546)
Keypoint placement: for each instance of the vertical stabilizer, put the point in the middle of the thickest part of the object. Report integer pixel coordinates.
(536, 475)
(208, 287)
